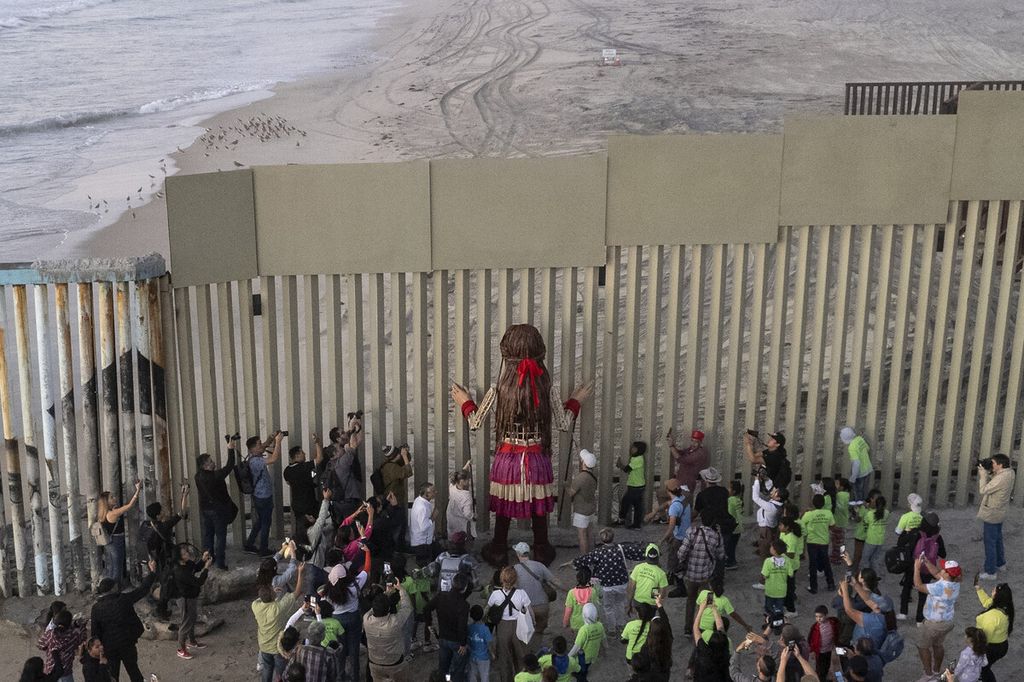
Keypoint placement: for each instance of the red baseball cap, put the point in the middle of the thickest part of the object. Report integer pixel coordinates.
(951, 567)
(697, 435)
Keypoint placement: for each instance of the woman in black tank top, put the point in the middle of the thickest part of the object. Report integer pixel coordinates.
(111, 517)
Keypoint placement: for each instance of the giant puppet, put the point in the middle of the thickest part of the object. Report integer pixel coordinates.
(525, 408)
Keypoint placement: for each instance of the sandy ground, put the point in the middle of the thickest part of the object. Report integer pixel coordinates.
(232, 651)
(522, 78)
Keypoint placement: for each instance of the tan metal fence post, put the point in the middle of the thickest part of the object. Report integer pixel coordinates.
(13, 462)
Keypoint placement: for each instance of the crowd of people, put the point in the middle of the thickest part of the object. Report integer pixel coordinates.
(369, 585)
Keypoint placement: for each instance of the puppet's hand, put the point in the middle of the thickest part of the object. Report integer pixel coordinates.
(459, 394)
(581, 393)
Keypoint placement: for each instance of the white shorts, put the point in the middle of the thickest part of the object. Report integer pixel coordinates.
(583, 521)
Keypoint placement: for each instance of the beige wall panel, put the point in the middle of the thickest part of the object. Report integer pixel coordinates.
(340, 219)
(989, 158)
(555, 207)
(867, 170)
(211, 228)
(693, 189)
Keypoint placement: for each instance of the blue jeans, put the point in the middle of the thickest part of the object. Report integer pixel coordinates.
(353, 624)
(272, 663)
(818, 560)
(450, 661)
(263, 511)
(113, 559)
(215, 535)
(860, 487)
(774, 604)
(994, 557)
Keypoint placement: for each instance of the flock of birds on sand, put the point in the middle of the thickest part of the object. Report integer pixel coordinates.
(261, 126)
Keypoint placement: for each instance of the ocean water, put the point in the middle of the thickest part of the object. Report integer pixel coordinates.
(94, 94)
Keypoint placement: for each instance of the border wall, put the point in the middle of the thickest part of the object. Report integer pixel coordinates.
(851, 270)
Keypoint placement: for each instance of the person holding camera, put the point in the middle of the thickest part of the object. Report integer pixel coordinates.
(344, 473)
(395, 471)
(690, 460)
(114, 621)
(216, 508)
(995, 485)
(259, 463)
(189, 578)
(301, 475)
(771, 456)
(156, 534)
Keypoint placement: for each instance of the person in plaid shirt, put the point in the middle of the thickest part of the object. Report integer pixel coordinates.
(702, 547)
(319, 662)
(61, 642)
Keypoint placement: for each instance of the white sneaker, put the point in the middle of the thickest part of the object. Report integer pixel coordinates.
(758, 586)
(901, 616)
(987, 576)
(1002, 568)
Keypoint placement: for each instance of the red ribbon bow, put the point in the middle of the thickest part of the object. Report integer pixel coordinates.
(528, 367)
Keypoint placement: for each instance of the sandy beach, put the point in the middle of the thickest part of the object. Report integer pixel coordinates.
(458, 78)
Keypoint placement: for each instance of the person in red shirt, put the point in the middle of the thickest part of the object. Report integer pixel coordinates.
(689, 461)
(822, 639)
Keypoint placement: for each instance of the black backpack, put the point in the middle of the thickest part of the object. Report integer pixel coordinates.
(900, 558)
(495, 612)
(784, 475)
(243, 474)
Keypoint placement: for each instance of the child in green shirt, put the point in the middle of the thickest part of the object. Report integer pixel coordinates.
(775, 574)
(575, 599)
(588, 640)
(842, 517)
(565, 665)
(874, 538)
(792, 535)
(860, 527)
(418, 587)
(531, 671)
(735, 509)
(634, 634)
(911, 519)
(636, 485)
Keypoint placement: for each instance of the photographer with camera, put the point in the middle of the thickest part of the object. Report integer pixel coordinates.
(216, 508)
(771, 456)
(302, 475)
(189, 578)
(344, 472)
(156, 534)
(384, 627)
(995, 485)
(262, 455)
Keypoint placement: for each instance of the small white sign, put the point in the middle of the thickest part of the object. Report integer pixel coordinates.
(610, 57)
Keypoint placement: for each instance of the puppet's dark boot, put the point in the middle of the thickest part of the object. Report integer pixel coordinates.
(542, 550)
(496, 551)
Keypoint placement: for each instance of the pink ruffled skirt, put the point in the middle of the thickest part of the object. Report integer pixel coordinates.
(522, 481)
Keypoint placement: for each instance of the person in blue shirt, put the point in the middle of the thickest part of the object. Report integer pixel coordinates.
(678, 523)
(480, 654)
(259, 462)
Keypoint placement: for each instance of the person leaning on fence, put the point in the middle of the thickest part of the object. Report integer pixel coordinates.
(111, 518)
(631, 507)
(216, 508)
(259, 463)
(861, 471)
(995, 494)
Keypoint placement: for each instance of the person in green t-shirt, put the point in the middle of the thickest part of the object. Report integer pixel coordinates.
(861, 470)
(817, 524)
(634, 634)
(576, 598)
(877, 517)
(632, 504)
(842, 516)
(791, 533)
(418, 587)
(735, 509)
(722, 603)
(858, 515)
(911, 519)
(588, 640)
(775, 573)
(531, 671)
(647, 581)
(565, 665)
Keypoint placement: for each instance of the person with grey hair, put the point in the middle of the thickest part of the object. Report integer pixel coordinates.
(607, 563)
(318, 662)
(421, 525)
(532, 576)
(461, 514)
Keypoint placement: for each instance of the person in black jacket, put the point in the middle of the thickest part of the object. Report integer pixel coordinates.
(94, 662)
(216, 507)
(189, 577)
(117, 626)
(453, 627)
(33, 671)
(157, 535)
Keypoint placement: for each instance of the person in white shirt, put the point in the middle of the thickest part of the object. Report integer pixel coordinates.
(421, 526)
(769, 508)
(460, 511)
